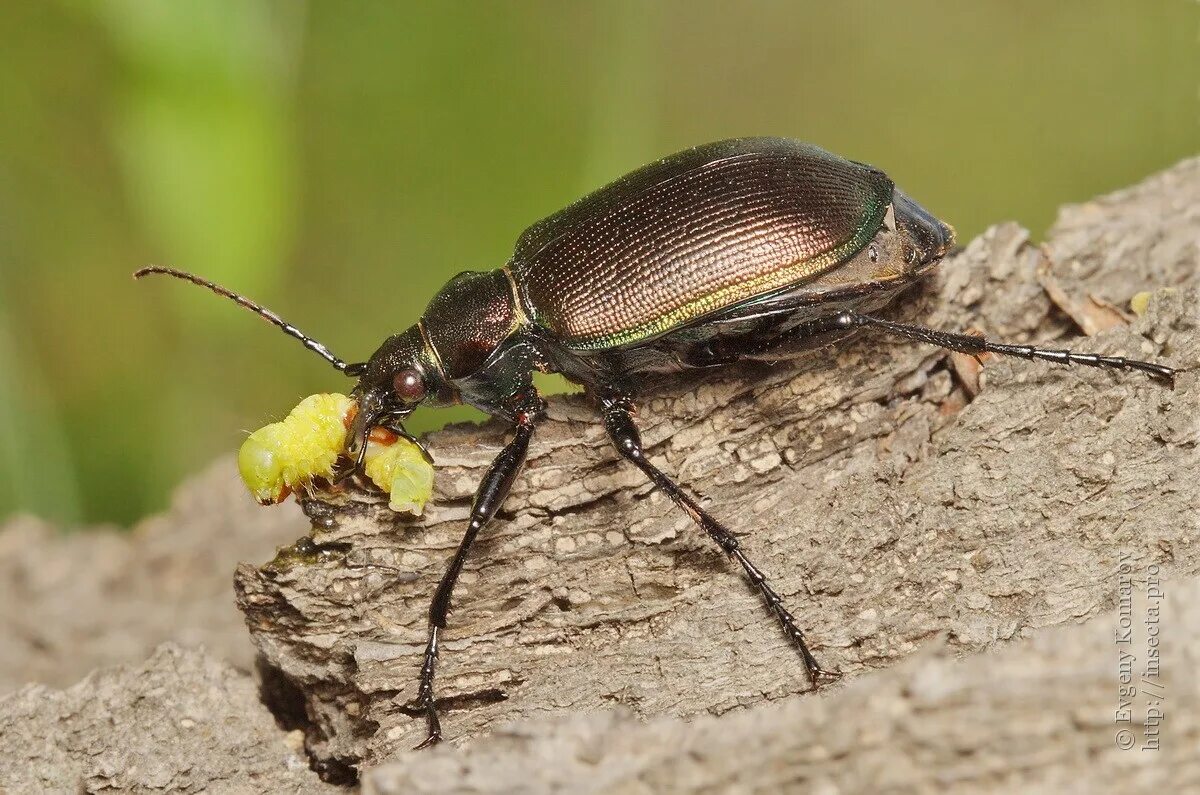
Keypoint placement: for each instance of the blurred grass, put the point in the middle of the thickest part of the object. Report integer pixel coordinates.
(341, 162)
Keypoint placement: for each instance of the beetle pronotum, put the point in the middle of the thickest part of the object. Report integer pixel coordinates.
(752, 248)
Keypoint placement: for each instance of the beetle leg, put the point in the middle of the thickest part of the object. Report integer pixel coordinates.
(414, 441)
(965, 343)
(622, 430)
(491, 493)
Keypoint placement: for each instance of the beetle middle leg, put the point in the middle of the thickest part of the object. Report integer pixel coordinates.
(622, 430)
(492, 491)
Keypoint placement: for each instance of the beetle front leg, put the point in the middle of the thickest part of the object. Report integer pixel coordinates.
(622, 430)
(492, 491)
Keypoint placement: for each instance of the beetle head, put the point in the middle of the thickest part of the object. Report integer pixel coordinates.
(401, 375)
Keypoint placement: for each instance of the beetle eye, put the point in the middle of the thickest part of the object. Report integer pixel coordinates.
(910, 255)
(409, 386)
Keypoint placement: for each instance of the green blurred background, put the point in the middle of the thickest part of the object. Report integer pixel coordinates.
(339, 161)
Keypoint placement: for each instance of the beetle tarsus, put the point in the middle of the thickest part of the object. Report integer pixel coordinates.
(434, 738)
(821, 677)
(492, 491)
(622, 430)
(424, 703)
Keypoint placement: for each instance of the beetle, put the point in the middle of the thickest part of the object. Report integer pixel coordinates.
(745, 249)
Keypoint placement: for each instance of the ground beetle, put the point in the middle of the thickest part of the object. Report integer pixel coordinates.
(753, 248)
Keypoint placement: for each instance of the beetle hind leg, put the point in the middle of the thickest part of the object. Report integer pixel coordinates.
(965, 343)
(622, 430)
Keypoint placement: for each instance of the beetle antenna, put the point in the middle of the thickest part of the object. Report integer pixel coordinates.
(261, 311)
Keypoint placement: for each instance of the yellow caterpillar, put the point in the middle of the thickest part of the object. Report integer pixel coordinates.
(400, 469)
(305, 446)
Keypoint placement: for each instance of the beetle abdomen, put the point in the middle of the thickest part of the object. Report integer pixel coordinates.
(692, 234)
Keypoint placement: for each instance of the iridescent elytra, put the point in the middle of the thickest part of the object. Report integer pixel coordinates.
(750, 248)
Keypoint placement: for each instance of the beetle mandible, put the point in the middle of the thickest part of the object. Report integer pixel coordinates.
(745, 249)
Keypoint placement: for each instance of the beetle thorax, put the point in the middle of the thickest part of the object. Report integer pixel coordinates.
(469, 319)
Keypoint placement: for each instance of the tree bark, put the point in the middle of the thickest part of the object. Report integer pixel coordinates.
(1041, 716)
